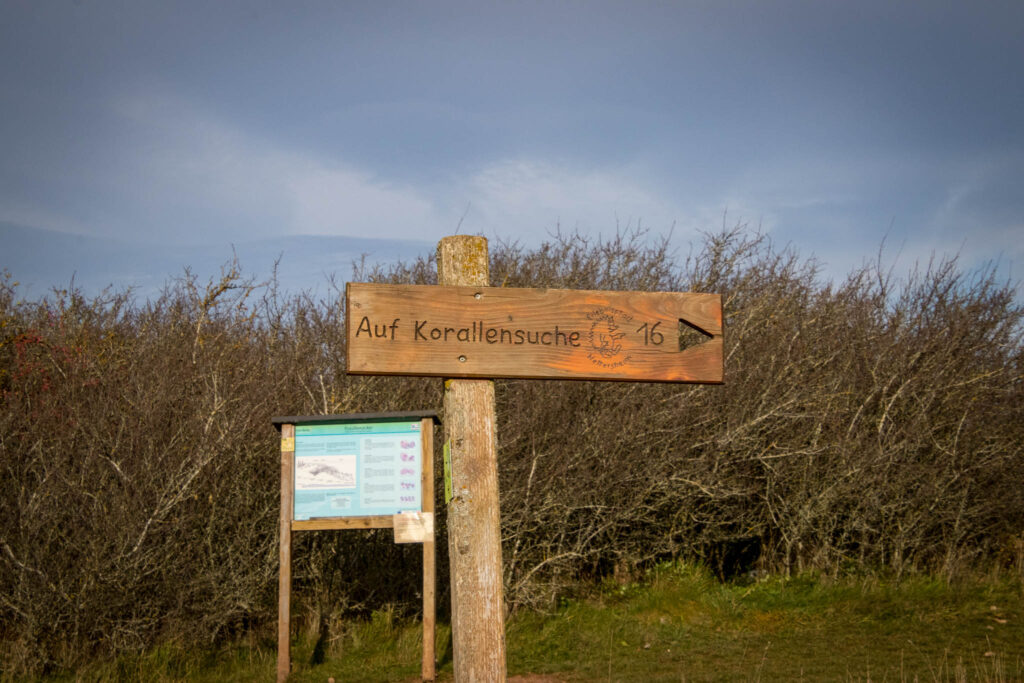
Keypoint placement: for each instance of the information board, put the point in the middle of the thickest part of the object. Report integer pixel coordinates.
(357, 469)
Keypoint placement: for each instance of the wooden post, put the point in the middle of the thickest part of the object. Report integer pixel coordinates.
(429, 564)
(474, 525)
(284, 588)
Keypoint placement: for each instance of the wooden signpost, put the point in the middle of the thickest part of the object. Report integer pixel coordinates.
(469, 332)
(533, 333)
(364, 471)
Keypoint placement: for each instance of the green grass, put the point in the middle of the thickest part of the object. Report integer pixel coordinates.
(683, 625)
(680, 625)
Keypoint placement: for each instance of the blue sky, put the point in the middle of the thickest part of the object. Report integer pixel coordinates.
(831, 125)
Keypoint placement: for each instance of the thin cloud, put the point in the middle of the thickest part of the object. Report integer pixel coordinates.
(177, 168)
(181, 157)
(177, 162)
(532, 198)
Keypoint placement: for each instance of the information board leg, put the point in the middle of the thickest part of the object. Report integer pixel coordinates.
(284, 589)
(429, 623)
(474, 529)
(429, 558)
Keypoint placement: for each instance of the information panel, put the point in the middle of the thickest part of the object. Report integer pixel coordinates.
(358, 469)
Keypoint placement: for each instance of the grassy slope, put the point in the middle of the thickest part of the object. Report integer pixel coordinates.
(684, 626)
(680, 625)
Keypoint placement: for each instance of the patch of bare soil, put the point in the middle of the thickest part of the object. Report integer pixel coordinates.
(523, 678)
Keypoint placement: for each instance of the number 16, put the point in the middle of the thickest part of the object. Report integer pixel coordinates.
(651, 336)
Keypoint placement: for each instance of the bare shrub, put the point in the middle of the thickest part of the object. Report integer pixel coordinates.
(872, 424)
(862, 426)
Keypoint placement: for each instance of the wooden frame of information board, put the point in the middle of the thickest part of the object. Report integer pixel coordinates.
(288, 523)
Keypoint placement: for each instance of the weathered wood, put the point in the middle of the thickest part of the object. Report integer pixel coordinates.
(427, 668)
(368, 522)
(284, 586)
(477, 331)
(474, 534)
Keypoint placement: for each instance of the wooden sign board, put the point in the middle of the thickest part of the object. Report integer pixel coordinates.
(533, 333)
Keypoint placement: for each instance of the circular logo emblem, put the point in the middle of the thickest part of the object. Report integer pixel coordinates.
(606, 337)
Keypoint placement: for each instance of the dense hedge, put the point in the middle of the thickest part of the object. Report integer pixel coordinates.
(871, 425)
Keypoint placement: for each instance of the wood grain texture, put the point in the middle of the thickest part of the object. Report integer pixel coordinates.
(485, 332)
(474, 531)
(284, 586)
(368, 522)
(427, 668)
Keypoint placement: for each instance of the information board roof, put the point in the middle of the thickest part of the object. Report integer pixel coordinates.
(356, 417)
